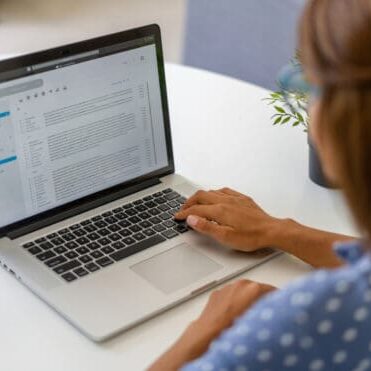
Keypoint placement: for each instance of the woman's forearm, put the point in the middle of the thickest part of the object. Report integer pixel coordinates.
(308, 244)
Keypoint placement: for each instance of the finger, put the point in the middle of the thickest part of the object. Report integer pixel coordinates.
(216, 213)
(213, 230)
(231, 192)
(203, 198)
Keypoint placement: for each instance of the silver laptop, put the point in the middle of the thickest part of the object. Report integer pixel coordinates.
(88, 189)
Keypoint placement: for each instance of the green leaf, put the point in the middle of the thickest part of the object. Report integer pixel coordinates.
(277, 120)
(279, 109)
(296, 123)
(300, 117)
(286, 120)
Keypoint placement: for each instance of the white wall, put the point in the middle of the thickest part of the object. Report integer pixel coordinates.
(28, 25)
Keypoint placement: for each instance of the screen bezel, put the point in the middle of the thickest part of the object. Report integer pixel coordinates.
(81, 205)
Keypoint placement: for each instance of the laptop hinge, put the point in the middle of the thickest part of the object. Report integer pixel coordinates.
(19, 232)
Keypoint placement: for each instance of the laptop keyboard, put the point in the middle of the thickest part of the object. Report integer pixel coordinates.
(104, 239)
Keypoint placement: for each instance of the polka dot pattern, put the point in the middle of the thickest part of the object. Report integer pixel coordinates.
(321, 322)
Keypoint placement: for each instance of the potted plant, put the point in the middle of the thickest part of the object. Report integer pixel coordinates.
(295, 114)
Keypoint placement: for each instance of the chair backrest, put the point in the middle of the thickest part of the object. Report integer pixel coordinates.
(247, 39)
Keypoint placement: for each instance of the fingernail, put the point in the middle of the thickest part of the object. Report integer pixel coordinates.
(192, 220)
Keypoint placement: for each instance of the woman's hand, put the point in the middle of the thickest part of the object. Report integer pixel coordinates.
(223, 307)
(231, 218)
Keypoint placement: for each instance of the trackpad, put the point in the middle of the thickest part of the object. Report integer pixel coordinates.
(176, 268)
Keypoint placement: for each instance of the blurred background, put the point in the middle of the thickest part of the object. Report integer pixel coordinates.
(245, 39)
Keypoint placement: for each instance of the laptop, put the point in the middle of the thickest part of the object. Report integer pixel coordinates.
(88, 188)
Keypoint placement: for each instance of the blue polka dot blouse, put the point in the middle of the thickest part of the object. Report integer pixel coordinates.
(320, 322)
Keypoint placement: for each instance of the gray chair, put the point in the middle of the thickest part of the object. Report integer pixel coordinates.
(247, 39)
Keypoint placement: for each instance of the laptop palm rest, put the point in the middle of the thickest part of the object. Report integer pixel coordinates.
(176, 268)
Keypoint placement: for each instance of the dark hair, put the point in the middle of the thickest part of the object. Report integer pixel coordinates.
(335, 49)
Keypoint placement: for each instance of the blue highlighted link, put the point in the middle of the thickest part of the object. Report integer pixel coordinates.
(4, 114)
(8, 159)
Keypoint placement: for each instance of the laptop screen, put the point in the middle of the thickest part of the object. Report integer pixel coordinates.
(77, 125)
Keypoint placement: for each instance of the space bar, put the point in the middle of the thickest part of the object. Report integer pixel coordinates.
(140, 246)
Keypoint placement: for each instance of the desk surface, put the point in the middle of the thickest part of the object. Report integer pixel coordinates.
(222, 136)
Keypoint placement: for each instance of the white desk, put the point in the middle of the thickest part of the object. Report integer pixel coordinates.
(222, 135)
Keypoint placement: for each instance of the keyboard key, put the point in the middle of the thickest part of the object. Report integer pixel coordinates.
(68, 237)
(139, 236)
(82, 241)
(150, 204)
(107, 249)
(63, 231)
(149, 232)
(114, 237)
(111, 220)
(155, 220)
(34, 250)
(85, 259)
(167, 190)
(81, 272)
(117, 210)
(160, 200)
(57, 241)
(96, 254)
(141, 208)
(134, 219)
(128, 240)
(130, 212)
(71, 255)
(145, 224)
(97, 218)
(51, 263)
(28, 245)
(82, 250)
(92, 267)
(108, 213)
(69, 277)
(135, 228)
(125, 232)
(90, 228)
(165, 216)
(93, 245)
(93, 236)
(147, 198)
(45, 255)
(124, 223)
(114, 228)
(138, 202)
(104, 232)
(169, 224)
(157, 194)
(164, 207)
(144, 215)
(46, 245)
(103, 262)
(67, 266)
(173, 204)
(171, 196)
(104, 241)
(51, 236)
(118, 245)
(128, 206)
(170, 233)
(75, 227)
(79, 233)
(60, 250)
(181, 200)
(71, 245)
(101, 224)
(155, 211)
(121, 216)
(159, 228)
(86, 222)
(181, 228)
(139, 246)
(40, 240)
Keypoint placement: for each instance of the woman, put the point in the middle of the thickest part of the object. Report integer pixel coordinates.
(321, 322)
